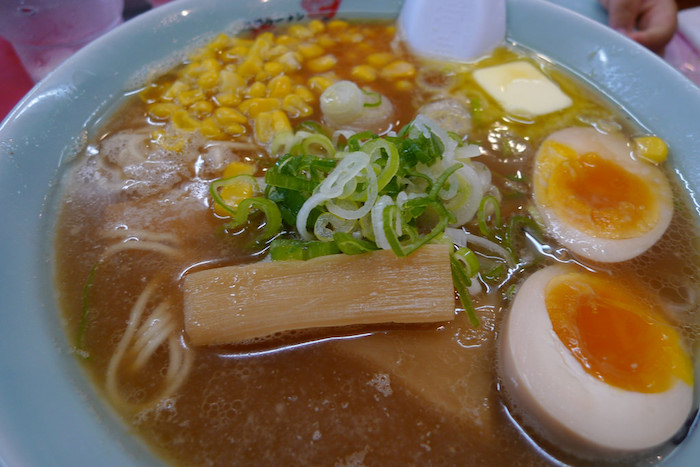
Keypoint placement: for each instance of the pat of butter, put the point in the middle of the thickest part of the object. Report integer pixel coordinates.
(521, 89)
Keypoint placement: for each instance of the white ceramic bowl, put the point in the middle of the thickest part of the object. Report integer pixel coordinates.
(49, 412)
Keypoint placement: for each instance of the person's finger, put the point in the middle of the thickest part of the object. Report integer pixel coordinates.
(656, 24)
(622, 14)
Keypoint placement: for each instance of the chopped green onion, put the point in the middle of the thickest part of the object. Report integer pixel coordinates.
(461, 283)
(377, 98)
(282, 249)
(273, 217)
(481, 215)
(469, 260)
(216, 185)
(350, 245)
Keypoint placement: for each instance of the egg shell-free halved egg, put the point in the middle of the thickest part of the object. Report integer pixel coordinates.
(549, 389)
(596, 198)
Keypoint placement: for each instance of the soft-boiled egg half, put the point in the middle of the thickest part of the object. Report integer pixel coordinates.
(596, 198)
(591, 363)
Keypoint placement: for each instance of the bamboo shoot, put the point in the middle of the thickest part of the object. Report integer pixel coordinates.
(238, 303)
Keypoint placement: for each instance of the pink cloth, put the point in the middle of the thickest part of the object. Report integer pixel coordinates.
(14, 81)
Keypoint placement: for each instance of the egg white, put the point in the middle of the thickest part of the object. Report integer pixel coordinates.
(553, 394)
(614, 148)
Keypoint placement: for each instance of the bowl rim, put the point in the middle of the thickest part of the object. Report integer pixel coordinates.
(43, 389)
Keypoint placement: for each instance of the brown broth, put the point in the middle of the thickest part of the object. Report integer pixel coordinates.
(384, 395)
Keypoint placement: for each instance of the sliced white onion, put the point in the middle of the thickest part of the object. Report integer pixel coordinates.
(372, 191)
(462, 238)
(470, 182)
(323, 233)
(342, 102)
(378, 221)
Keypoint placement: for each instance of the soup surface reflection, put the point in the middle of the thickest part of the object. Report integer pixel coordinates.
(137, 216)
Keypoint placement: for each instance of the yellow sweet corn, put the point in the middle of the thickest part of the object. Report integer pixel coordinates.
(380, 59)
(300, 32)
(279, 86)
(226, 116)
(310, 50)
(257, 89)
(184, 121)
(295, 106)
(230, 99)
(202, 108)
(322, 64)
(209, 128)
(399, 69)
(651, 148)
(253, 106)
(232, 194)
(364, 73)
(273, 68)
(318, 84)
(162, 110)
(303, 92)
(268, 124)
(317, 26)
(337, 25)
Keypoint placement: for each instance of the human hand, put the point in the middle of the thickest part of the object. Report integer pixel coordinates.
(652, 23)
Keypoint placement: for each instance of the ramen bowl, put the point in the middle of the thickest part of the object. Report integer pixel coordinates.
(50, 414)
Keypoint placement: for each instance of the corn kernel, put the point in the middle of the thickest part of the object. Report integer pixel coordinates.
(287, 40)
(211, 64)
(310, 50)
(321, 64)
(351, 37)
(234, 129)
(230, 81)
(201, 108)
(191, 96)
(152, 92)
(403, 85)
(220, 42)
(318, 84)
(209, 128)
(380, 59)
(273, 68)
(250, 67)
(337, 25)
(162, 110)
(257, 89)
(170, 142)
(279, 86)
(261, 44)
(295, 106)
(398, 70)
(303, 92)
(226, 116)
(316, 26)
(300, 32)
(651, 148)
(364, 73)
(325, 40)
(291, 61)
(253, 106)
(234, 54)
(233, 193)
(228, 99)
(268, 124)
(176, 88)
(239, 168)
(184, 121)
(208, 79)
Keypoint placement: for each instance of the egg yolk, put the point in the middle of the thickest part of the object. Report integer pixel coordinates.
(616, 335)
(599, 197)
